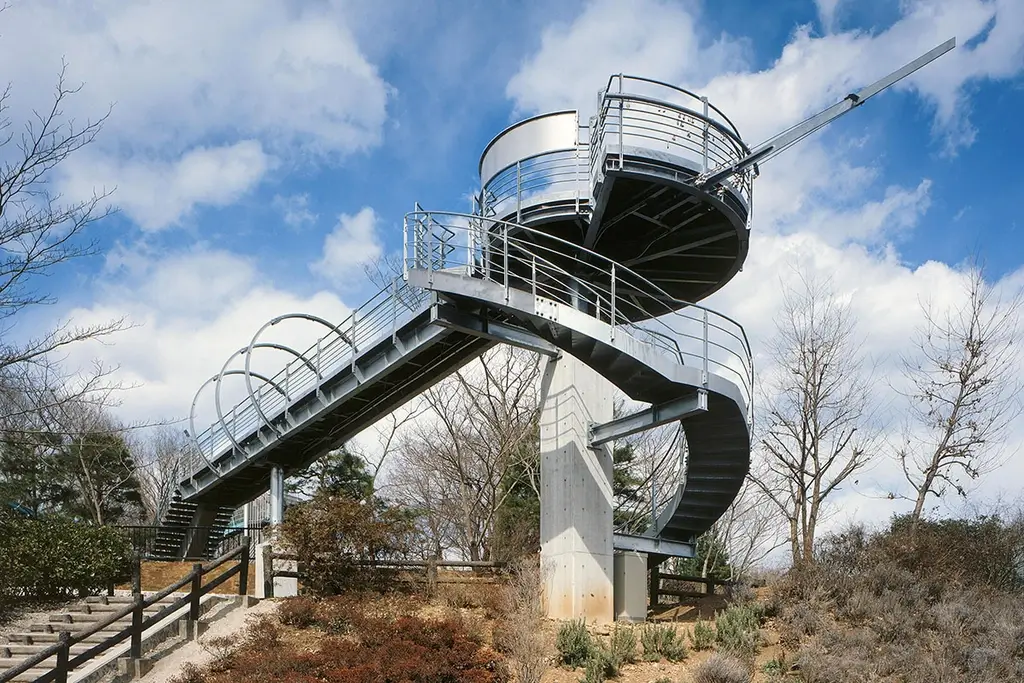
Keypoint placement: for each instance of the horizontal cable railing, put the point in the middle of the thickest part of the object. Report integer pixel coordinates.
(522, 258)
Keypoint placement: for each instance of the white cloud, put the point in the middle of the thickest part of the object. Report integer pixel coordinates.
(653, 38)
(827, 12)
(353, 242)
(158, 194)
(295, 210)
(192, 76)
(192, 309)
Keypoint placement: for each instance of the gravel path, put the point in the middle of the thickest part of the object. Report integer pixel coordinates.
(232, 623)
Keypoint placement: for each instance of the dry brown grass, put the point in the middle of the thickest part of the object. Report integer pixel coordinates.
(870, 612)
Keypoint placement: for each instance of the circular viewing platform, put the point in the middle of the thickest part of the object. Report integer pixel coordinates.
(627, 184)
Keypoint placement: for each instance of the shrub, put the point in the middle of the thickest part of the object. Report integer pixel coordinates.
(518, 632)
(737, 630)
(56, 557)
(574, 643)
(622, 647)
(662, 640)
(298, 612)
(190, 673)
(334, 536)
(703, 635)
(600, 667)
(719, 668)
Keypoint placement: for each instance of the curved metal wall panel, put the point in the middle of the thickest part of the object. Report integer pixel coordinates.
(540, 135)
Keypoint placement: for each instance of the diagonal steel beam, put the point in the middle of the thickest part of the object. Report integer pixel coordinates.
(787, 138)
(681, 248)
(652, 417)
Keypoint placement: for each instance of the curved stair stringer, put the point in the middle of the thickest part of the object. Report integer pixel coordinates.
(718, 439)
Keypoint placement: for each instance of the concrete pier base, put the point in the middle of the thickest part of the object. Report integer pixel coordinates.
(576, 493)
(630, 586)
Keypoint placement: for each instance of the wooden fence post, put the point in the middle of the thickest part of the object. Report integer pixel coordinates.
(64, 642)
(197, 585)
(268, 571)
(711, 585)
(655, 585)
(243, 569)
(431, 575)
(137, 607)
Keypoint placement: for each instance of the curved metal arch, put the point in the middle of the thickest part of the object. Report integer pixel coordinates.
(253, 344)
(224, 372)
(287, 349)
(192, 425)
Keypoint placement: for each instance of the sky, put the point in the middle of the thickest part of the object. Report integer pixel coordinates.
(259, 153)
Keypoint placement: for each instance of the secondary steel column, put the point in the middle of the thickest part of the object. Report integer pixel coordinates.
(276, 494)
(576, 531)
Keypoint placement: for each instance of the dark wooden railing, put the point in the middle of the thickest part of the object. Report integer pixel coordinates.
(710, 583)
(428, 567)
(140, 622)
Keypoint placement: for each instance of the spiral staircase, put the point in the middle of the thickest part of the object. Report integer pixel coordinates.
(595, 239)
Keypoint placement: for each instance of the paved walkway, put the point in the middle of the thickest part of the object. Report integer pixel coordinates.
(232, 623)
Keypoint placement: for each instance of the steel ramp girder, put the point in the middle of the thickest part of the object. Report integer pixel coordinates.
(369, 367)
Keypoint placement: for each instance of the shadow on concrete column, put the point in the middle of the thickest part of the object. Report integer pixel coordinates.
(576, 525)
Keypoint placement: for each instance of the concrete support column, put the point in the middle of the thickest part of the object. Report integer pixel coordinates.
(276, 495)
(630, 586)
(577, 555)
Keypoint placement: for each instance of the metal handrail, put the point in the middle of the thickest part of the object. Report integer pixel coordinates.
(671, 118)
(519, 257)
(378, 317)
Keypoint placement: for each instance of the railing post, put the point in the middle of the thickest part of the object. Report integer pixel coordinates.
(612, 303)
(355, 345)
(268, 571)
(405, 248)
(63, 653)
(622, 107)
(706, 131)
(197, 585)
(705, 371)
(533, 274)
(394, 310)
(505, 225)
(519, 193)
(711, 585)
(243, 569)
(137, 607)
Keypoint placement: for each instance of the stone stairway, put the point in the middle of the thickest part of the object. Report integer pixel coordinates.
(79, 617)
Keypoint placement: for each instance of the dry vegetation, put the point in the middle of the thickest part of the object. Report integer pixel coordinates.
(938, 603)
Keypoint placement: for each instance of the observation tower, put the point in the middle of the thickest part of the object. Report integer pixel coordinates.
(591, 242)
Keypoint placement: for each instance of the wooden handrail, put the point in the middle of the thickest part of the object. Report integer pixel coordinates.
(62, 647)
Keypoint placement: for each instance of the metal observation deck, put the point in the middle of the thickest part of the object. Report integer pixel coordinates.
(596, 240)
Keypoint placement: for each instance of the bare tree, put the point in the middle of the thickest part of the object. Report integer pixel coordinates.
(479, 433)
(964, 390)
(39, 230)
(161, 458)
(749, 531)
(816, 409)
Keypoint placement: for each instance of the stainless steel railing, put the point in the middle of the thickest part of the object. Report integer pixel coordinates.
(518, 257)
(269, 398)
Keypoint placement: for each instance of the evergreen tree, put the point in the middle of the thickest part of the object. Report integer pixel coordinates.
(339, 473)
